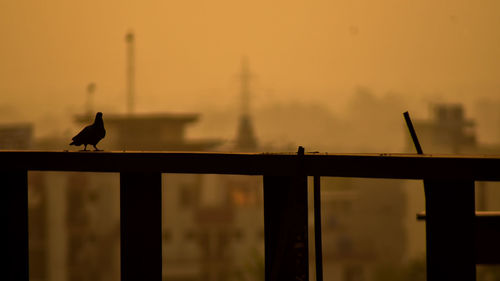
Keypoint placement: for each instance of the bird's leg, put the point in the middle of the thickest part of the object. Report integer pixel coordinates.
(85, 148)
(96, 149)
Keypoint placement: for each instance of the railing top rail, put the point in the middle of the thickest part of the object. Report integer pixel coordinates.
(382, 165)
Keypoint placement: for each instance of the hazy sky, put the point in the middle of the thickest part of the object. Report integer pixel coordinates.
(189, 52)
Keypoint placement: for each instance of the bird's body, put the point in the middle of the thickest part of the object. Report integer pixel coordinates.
(91, 134)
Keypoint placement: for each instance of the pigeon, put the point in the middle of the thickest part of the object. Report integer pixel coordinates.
(91, 134)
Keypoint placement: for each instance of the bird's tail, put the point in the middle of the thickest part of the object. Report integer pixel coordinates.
(72, 143)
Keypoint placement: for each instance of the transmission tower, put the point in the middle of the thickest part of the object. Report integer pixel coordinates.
(246, 138)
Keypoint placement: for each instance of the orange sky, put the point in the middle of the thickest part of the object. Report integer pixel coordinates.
(189, 52)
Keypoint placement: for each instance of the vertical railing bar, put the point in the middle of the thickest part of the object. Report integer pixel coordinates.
(15, 208)
(450, 230)
(140, 226)
(317, 229)
(285, 225)
(285, 228)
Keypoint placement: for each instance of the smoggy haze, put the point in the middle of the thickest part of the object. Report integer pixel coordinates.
(189, 52)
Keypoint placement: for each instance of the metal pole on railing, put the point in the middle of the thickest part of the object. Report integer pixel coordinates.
(413, 134)
(317, 229)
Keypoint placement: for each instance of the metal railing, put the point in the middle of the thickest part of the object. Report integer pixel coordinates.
(450, 211)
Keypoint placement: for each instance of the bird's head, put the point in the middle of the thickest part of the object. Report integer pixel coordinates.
(98, 115)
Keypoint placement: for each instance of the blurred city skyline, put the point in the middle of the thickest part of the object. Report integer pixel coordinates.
(188, 54)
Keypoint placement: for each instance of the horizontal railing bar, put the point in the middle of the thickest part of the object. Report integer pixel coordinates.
(479, 215)
(396, 166)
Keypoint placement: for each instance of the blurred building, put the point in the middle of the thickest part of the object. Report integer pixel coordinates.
(149, 132)
(363, 226)
(16, 136)
(448, 130)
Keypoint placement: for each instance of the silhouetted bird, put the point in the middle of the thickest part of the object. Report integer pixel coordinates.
(91, 134)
